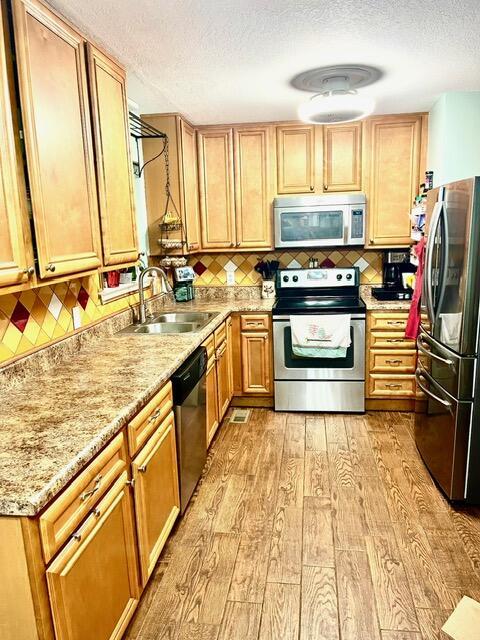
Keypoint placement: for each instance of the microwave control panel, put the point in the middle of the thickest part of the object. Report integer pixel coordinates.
(357, 226)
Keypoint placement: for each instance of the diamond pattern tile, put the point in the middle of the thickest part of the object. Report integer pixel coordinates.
(208, 273)
(55, 306)
(83, 297)
(20, 317)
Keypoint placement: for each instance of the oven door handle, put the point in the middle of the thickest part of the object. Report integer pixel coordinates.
(287, 318)
(421, 374)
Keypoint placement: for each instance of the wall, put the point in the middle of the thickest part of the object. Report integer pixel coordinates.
(37, 317)
(454, 137)
(211, 268)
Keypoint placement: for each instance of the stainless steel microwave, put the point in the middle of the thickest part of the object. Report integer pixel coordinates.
(334, 220)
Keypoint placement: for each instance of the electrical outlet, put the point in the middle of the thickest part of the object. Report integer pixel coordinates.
(230, 278)
(77, 321)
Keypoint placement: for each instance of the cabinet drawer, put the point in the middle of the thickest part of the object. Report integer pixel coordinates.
(209, 345)
(254, 322)
(62, 517)
(148, 419)
(389, 385)
(390, 361)
(390, 340)
(220, 334)
(388, 321)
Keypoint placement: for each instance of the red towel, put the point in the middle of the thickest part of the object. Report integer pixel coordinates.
(414, 315)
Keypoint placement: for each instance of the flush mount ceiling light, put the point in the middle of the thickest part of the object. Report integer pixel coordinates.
(336, 98)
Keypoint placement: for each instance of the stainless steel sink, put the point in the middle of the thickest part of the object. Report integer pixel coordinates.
(201, 317)
(171, 323)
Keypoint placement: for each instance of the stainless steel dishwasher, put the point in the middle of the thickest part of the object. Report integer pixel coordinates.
(189, 398)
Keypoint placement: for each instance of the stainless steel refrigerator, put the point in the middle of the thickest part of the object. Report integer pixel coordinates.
(447, 422)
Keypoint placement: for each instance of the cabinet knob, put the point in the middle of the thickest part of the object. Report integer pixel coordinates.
(29, 271)
(312, 188)
(50, 267)
(238, 244)
(372, 241)
(325, 187)
(232, 244)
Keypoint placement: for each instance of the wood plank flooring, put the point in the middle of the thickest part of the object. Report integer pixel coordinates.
(313, 527)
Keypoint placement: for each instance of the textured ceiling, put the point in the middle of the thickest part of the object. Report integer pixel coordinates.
(232, 60)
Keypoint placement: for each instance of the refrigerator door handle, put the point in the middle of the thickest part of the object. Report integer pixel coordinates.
(428, 260)
(422, 348)
(421, 374)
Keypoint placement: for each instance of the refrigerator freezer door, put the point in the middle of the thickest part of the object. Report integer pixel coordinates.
(442, 427)
(454, 373)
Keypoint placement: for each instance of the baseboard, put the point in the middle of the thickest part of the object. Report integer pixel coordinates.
(252, 401)
(389, 404)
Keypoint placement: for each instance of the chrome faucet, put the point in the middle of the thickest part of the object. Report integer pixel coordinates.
(141, 294)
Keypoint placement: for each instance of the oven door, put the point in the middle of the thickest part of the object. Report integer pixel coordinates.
(316, 226)
(287, 366)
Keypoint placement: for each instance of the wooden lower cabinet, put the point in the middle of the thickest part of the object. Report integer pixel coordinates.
(212, 402)
(157, 499)
(223, 380)
(391, 359)
(93, 582)
(256, 362)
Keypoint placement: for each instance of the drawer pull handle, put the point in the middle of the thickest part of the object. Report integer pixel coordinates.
(390, 385)
(255, 324)
(96, 487)
(155, 415)
(394, 340)
(395, 322)
(394, 362)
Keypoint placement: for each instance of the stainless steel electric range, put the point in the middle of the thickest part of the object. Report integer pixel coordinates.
(318, 383)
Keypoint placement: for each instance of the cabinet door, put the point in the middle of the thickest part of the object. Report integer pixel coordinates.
(223, 380)
(394, 152)
(295, 159)
(212, 402)
(256, 363)
(342, 157)
(253, 205)
(190, 185)
(56, 118)
(93, 582)
(230, 357)
(157, 500)
(14, 263)
(217, 208)
(112, 150)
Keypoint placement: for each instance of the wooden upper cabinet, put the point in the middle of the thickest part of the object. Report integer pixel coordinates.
(342, 157)
(217, 206)
(56, 117)
(252, 161)
(295, 159)
(189, 181)
(15, 254)
(112, 150)
(394, 158)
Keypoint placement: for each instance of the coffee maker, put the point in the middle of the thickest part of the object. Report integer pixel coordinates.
(395, 265)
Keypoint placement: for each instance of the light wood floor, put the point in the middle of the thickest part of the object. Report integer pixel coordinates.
(313, 527)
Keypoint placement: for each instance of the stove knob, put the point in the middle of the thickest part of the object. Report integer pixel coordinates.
(339, 276)
(295, 278)
(349, 276)
(285, 278)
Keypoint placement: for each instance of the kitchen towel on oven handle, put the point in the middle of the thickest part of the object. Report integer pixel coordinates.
(322, 336)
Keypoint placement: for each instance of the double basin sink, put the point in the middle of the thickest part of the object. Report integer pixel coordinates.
(169, 323)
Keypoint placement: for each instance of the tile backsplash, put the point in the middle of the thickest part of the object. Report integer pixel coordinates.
(212, 268)
(36, 317)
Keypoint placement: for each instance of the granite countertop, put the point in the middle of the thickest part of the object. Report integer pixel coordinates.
(373, 304)
(52, 425)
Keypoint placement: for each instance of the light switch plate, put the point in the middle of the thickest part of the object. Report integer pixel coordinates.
(77, 321)
(230, 278)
